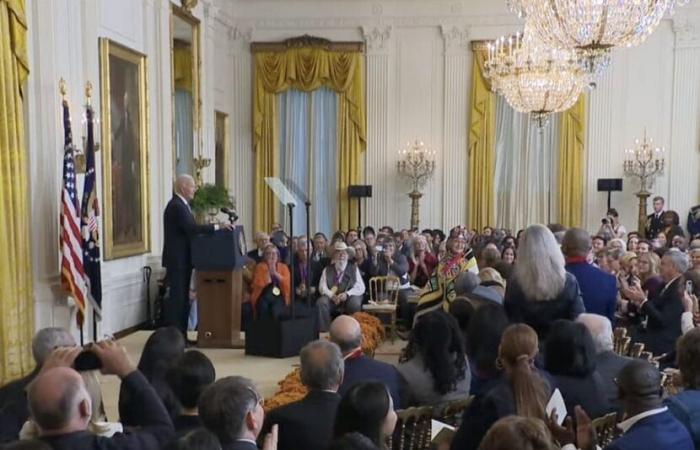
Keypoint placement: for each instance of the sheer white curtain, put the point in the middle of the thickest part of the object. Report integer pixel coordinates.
(526, 169)
(308, 155)
(184, 139)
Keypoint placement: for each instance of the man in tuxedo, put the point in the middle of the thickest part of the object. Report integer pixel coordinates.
(655, 221)
(308, 423)
(180, 227)
(663, 312)
(232, 409)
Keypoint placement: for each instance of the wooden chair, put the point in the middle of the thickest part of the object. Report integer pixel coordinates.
(636, 350)
(621, 341)
(413, 429)
(451, 413)
(605, 428)
(383, 298)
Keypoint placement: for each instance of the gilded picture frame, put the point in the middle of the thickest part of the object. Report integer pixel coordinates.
(125, 166)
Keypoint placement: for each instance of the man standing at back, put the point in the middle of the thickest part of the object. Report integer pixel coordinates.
(180, 227)
(655, 222)
(346, 332)
(598, 289)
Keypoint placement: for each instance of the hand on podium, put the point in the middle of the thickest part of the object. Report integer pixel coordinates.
(227, 226)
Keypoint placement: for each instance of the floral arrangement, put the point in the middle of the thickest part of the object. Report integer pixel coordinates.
(291, 389)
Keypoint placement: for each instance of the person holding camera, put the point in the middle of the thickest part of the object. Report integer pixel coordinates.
(611, 226)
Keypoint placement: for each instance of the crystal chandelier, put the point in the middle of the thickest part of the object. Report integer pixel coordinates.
(593, 27)
(532, 78)
(644, 161)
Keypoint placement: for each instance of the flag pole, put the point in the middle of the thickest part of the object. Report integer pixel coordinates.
(88, 105)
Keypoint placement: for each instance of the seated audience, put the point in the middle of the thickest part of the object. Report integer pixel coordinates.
(468, 285)
(508, 254)
(319, 252)
(389, 262)
(522, 433)
(491, 278)
(14, 410)
(346, 333)
(671, 226)
(663, 312)
(489, 256)
(162, 347)
(188, 376)
(608, 363)
(685, 406)
(434, 363)
(643, 246)
(303, 269)
(598, 289)
(232, 410)
(60, 405)
(632, 243)
(341, 287)
(540, 290)
(680, 243)
(281, 241)
(308, 423)
(462, 310)
(197, 439)
(597, 243)
(613, 259)
(363, 261)
(484, 335)
(261, 240)
(351, 237)
(422, 262)
(366, 408)
(270, 291)
(569, 357)
(522, 391)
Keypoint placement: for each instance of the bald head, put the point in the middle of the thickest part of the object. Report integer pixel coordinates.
(601, 330)
(346, 332)
(322, 366)
(466, 282)
(576, 242)
(59, 402)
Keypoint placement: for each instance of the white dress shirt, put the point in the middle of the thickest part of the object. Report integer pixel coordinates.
(357, 289)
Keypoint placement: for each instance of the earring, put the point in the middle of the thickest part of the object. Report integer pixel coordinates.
(499, 363)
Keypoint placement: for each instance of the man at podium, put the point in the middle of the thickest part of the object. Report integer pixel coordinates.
(180, 227)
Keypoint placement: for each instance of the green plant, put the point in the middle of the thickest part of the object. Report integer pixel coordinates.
(210, 197)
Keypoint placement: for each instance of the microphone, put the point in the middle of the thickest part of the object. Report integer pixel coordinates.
(233, 216)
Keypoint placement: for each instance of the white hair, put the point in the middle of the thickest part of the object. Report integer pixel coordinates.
(539, 270)
(600, 329)
(180, 180)
(678, 259)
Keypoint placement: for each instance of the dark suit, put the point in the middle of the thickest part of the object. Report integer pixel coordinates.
(654, 225)
(609, 364)
(155, 430)
(663, 320)
(306, 424)
(598, 289)
(255, 255)
(660, 431)
(14, 409)
(362, 368)
(184, 424)
(239, 445)
(180, 227)
(316, 269)
(585, 391)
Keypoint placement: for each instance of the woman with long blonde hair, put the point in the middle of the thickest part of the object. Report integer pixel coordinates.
(522, 391)
(540, 290)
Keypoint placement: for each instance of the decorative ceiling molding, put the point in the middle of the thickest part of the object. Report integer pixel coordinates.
(456, 39)
(687, 31)
(376, 38)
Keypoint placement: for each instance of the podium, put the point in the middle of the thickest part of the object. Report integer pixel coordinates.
(218, 260)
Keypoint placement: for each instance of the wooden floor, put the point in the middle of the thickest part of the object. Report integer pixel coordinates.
(266, 372)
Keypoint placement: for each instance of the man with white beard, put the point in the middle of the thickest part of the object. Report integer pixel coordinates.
(341, 287)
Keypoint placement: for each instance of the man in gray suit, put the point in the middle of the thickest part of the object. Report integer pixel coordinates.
(608, 363)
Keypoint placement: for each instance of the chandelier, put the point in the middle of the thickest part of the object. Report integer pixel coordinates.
(644, 161)
(592, 27)
(417, 163)
(532, 78)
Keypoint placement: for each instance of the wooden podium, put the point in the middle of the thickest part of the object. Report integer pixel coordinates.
(218, 260)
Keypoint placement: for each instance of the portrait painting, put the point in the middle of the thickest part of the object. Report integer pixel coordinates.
(125, 143)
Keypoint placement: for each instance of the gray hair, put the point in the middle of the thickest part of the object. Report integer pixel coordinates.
(180, 180)
(600, 329)
(322, 365)
(577, 242)
(678, 259)
(47, 339)
(539, 270)
(224, 405)
(465, 283)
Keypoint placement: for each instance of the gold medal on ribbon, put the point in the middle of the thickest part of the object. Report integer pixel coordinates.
(276, 290)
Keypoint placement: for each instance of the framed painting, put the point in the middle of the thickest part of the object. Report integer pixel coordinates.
(125, 174)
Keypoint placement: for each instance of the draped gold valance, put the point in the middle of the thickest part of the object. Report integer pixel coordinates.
(307, 68)
(182, 66)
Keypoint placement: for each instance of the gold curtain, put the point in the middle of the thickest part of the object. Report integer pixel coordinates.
(182, 66)
(571, 160)
(16, 297)
(307, 69)
(482, 145)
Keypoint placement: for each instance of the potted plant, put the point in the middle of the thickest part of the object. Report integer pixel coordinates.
(208, 200)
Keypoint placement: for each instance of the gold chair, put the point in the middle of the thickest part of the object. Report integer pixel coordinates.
(451, 413)
(413, 429)
(605, 428)
(636, 350)
(383, 299)
(621, 341)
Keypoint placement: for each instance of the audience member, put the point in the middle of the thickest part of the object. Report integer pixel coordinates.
(569, 356)
(306, 270)
(32, 444)
(598, 289)
(346, 333)
(231, 409)
(522, 391)
(60, 404)
(611, 225)
(489, 256)
(632, 243)
(353, 441)
(162, 347)
(483, 340)
(694, 254)
(671, 226)
(14, 410)
(188, 376)
(644, 246)
(685, 406)
(467, 285)
(655, 219)
(434, 363)
(261, 240)
(366, 408)
(270, 291)
(508, 255)
(597, 243)
(462, 310)
(350, 237)
(197, 439)
(491, 278)
(319, 252)
(390, 262)
(540, 290)
(648, 265)
(522, 433)
(608, 363)
(341, 287)
(308, 423)
(422, 263)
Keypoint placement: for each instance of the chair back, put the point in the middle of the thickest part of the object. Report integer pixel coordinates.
(605, 428)
(636, 350)
(621, 341)
(412, 430)
(384, 290)
(451, 413)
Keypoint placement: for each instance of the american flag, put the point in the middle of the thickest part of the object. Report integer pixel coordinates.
(72, 271)
(90, 229)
